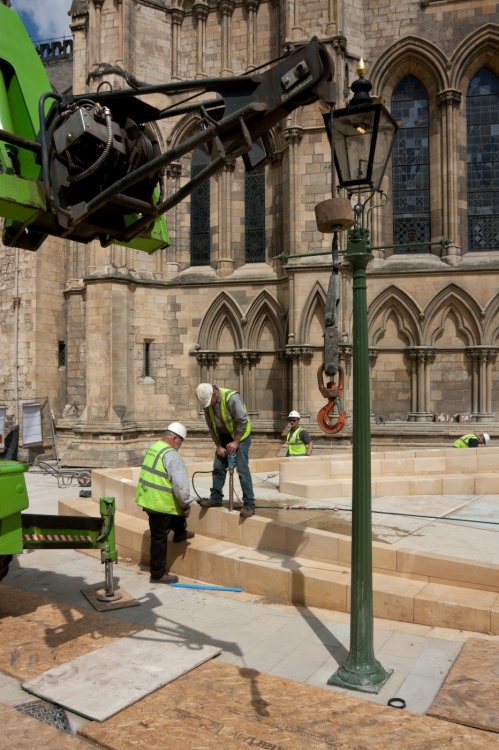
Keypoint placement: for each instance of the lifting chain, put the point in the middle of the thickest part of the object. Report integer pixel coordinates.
(331, 418)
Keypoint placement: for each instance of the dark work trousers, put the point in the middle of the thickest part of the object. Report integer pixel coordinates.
(160, 524)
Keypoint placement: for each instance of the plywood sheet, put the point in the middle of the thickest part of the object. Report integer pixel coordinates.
(38, 633)
(21, 732)
(99, 684)
(225, 707)
(470, 692)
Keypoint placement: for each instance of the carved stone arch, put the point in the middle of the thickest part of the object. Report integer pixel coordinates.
(491, 322)
(453, 299)
(294, 119)
(316, 296)
(478, 49)
(223, 311)
(276, 140)
(394, 302)
(186, 127)
(410, 56)
(265, 311)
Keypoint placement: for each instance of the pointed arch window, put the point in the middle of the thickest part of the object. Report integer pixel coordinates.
(254, 216)
(200, 212)
(411, 168)
(482, 125)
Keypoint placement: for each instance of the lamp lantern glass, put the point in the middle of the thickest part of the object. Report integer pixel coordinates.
(363, 138)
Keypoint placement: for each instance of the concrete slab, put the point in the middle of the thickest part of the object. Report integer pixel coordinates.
(102, 683)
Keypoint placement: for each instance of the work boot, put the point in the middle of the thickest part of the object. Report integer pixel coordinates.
(247, 511)
(184, 537)
(208, 503)
(166, 578)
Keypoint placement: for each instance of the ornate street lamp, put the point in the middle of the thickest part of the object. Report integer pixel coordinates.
(361, 137)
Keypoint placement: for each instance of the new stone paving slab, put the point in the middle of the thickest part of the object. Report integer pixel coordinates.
(99, 684)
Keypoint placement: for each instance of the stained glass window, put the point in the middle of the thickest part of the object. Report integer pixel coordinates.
(200, 212)
(254, 216)
(482, 120)
(411, 168)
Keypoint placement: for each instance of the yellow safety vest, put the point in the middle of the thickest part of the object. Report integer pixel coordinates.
(225, 395)
(463, 442)
(296, 447)
(154, 491)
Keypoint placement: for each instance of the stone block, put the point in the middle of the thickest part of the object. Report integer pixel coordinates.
(454, 607)
(425, 486)
(393, 598)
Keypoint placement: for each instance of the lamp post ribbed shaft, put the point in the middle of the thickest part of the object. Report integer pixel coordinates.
(361, 670)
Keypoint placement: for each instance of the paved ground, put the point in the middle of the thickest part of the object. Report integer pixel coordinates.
(305, 645)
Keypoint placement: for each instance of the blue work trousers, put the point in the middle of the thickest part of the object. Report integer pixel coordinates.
(219, 474)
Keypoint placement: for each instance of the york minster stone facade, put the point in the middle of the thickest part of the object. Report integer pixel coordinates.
(117, 340)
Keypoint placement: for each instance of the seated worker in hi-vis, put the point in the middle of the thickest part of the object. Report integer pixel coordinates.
(472, 440)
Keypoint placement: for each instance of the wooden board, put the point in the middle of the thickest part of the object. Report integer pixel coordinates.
(21, 732)
(225, 707)
(38, 633)
(470, 693)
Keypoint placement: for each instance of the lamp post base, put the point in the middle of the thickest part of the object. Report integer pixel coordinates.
(369, 679)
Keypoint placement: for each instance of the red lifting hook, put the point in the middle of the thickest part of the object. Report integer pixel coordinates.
(333, 393)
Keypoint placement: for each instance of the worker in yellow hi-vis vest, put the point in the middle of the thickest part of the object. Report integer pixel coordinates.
(230, 430)
(472, 440)
(298, 440)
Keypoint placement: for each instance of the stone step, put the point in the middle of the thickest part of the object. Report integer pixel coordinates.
(445, 484)
(438, 591)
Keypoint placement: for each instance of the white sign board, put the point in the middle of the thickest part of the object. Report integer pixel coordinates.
(32, 424)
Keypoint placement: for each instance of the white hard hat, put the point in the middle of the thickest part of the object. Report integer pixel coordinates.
(294, 414)
(178, 429)
(204, 392)
(486, 437)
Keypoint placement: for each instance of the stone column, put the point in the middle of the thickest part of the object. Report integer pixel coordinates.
(95, 37)
(75, 350)
(294, 31)
(226, 8)
(109, 384)
(481, 382)
(251, 9)
(421, 358)
(207, 362)
(120, 51)
(225, 260)
(297, 356)
(448, 101)
(200, 11)
(276, 24)
(332, 25)
(294, 137)
(248, 359)
(170, 260)
(177, 19)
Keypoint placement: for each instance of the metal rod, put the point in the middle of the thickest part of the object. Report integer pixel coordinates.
(18, 140)
(231, 490)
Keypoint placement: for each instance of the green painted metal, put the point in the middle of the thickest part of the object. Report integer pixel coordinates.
(361, 670)
(13, 499)
(24, 81)
(21, 200)
(108, 541)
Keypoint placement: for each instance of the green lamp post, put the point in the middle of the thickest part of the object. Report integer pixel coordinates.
(361, 137)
